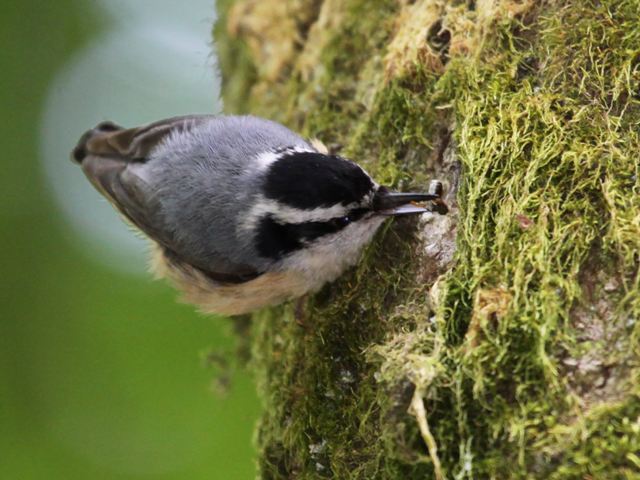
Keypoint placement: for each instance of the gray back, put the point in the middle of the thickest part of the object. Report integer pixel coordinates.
(203, 180)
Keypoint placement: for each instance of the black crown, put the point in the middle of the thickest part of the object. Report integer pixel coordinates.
(309, 180)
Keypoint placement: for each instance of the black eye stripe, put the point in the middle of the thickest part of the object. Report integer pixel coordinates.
(340, 222)
(357, 213)
(274, 240)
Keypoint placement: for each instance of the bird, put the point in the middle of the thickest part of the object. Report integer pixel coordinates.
(242, 212)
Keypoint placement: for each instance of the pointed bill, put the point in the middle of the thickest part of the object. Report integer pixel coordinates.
(396, 203)
(403, 210)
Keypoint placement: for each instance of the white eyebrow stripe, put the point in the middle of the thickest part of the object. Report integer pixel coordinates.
(284, 214)
(264, 207)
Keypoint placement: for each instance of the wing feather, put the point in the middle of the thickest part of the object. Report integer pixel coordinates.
(107, 154)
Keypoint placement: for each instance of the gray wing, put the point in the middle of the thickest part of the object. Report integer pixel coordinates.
(121, 163)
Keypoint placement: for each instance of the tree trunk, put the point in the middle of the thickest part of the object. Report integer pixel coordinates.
(501, 340)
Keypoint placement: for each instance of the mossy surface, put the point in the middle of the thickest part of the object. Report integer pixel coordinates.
(522, 349)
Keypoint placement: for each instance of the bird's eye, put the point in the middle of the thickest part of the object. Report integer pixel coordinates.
(341, 222)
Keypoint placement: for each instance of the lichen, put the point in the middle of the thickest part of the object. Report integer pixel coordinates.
(522, 347)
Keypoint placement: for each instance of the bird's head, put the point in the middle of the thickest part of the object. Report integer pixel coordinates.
(315, 211)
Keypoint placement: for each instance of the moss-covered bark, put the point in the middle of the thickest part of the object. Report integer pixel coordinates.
(501, 341)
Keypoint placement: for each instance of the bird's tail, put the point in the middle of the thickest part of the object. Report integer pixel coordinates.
(93, 137)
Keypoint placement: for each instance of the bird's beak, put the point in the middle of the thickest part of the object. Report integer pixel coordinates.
(390, 203)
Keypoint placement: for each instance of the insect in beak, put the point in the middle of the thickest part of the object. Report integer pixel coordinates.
(386, 202)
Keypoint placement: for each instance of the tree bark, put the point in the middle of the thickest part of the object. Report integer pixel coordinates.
(501, 340)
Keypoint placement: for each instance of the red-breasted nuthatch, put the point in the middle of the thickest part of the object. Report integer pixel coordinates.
(242, 212)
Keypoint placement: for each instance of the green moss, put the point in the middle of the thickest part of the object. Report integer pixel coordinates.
(234, 63)
(604, 444)
(526, 353)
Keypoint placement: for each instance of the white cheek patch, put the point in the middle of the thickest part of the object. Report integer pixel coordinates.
(324, 259)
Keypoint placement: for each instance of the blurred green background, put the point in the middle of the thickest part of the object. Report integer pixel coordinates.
(101, 371)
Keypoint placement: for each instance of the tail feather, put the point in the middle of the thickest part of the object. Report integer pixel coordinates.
(129, 144)
(81, 150)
